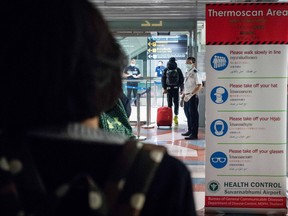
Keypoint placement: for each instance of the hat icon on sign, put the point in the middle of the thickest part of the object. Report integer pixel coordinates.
(218, 93)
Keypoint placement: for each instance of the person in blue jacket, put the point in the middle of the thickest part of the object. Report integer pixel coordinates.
(159, 69)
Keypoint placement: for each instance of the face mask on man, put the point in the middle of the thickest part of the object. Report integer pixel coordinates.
(132, 65)
(189, 66)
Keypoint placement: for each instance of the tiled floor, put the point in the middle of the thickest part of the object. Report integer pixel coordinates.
(191, 152)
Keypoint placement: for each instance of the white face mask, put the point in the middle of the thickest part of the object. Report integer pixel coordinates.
(132, 65)
(189, 66)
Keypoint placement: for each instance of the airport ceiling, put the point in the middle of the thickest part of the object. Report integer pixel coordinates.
(114, 10)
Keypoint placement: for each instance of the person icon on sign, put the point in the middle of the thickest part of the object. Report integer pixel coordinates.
(219, 128)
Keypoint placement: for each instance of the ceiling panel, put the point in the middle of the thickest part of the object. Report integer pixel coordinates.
(158, 9)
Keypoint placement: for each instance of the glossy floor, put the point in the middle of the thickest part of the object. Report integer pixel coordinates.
(191, 152)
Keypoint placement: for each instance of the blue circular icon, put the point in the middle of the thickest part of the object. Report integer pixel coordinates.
(219, 61)
(219, 95)
(218, 160)
(219, 127)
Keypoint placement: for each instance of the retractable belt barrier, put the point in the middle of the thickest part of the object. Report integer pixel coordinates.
(146, 90)
(135, 87)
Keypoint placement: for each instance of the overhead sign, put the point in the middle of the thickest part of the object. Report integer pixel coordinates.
(164, 47)
(149, 24)
(152, 25)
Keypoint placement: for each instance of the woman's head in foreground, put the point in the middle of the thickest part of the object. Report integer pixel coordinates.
(59, 63)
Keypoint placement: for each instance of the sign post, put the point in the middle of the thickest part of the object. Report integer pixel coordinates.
(246, 107)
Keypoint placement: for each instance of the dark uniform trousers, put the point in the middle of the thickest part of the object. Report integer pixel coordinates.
(192, 115)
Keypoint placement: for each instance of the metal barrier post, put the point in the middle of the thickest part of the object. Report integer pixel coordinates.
(155, 93)
(148, 108)
(138, 118)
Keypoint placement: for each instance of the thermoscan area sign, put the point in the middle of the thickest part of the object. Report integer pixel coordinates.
(246, 107)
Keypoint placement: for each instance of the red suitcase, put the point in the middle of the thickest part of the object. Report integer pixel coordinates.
(164, 115)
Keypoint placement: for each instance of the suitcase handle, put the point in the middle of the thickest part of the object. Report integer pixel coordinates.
(163, 99)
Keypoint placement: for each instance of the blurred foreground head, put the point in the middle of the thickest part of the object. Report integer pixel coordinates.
(59, 63)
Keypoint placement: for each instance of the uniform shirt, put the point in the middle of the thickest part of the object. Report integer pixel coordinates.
(132, 70)
(192, 79)
(159, 70)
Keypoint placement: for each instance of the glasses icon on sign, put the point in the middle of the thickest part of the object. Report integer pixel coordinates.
(218, 159)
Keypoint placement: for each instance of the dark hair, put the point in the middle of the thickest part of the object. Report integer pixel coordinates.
(171, 64)
(192, 59)
(59, 63)
(172, 59)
